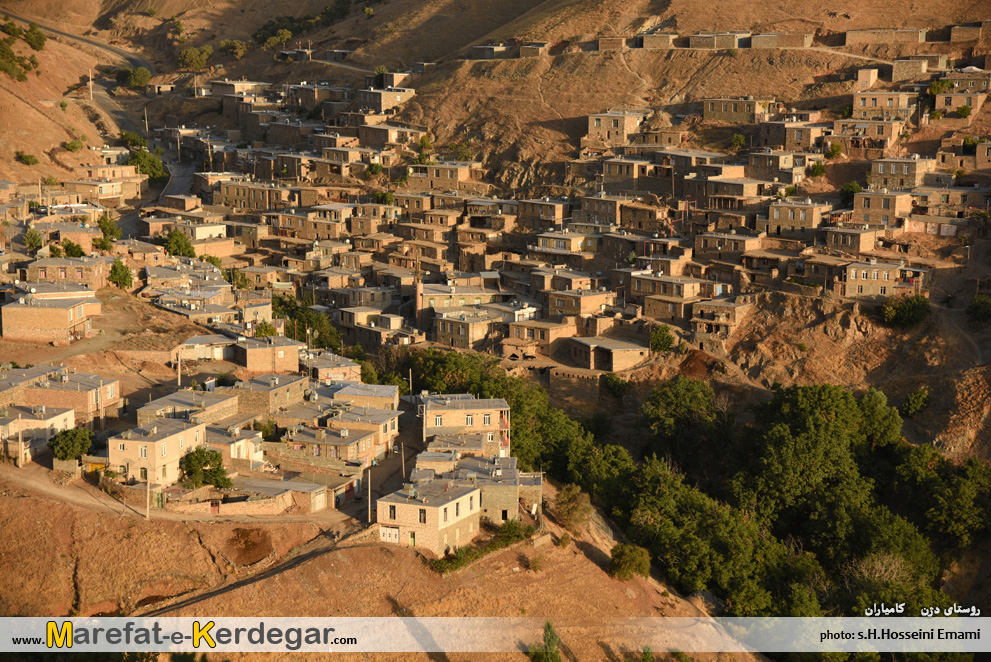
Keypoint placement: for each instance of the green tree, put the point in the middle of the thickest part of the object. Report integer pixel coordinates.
(848, 190)
(380, 72)
(739, 141)
(549, 650)
(72, 249)
(279, 38)
(132, 139)
(915, 402)
(123, 76)
(203, 466)
(33, 240)
(54, 250)
(265, 329)
(963, 112)
(120, 275)
(177, 243)
(384, 198)
(939, 87)
(629, 561)
(614, 384)
(979, 308)
(12, 29)
(238, 279)
(73, 145)
(234, 47)
(661, 338)
(35, 38)
(109, 227)
(835, 149)
(817, 170)
(150, 165)
(193, 58)
(138, 78)
(215, 261)
(26, 159)
(573, 507)
(905, 311)
(70, 444)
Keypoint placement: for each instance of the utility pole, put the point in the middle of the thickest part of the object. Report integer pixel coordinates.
(411, 381)
(402, 451)
(369, 479)
(178, 380)
(146, 124)
(148, 497)
(91, 83)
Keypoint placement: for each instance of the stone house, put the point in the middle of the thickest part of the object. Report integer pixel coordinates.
(153, 452)
(430, 515)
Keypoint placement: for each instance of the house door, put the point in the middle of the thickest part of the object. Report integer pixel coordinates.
(412, 539)
(319, 501)
(215, 506)
(390, 534)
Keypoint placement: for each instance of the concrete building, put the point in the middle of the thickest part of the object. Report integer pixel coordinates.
(430, 516)
(153, 452)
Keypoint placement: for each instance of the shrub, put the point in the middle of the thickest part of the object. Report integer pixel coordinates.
(369, 12)
(549, 650)
(629, 561)
(35, 38)
(661, 338)
(848, 190)
(374, 169)
(915, 402)
(979, 309)
(120, 275)
(939, 86)
(835, 149)
(905, 311)
(573, 507)
(33, 240)
(73, 145)
(615, 385)
(817, 170)
(564, 541)
(739, 141)
(384, 198)
(790, 191)
(150, 165)
(151, 11)
(138, 78)
(132, 139)
(72, 249)
(234, 47)
(935, 115)
(63, 105)
(963, 112)
(26, 159)
(194, 58)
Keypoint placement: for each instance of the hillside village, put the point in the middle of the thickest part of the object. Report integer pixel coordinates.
(316, 228)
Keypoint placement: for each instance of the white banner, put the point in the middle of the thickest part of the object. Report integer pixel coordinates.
(482, 635)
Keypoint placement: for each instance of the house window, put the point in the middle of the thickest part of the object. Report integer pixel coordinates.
(469, 420)
(471, 503)
(490, 436)
(163, 449)
(486, 419)
(112, 391)
(142, 451)
(457, 509)
(121, 447)
(392, 512)
(423, 515)
(445, 514)
(438, 420)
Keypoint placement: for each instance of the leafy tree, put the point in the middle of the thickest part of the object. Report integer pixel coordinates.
(935, 115)
(279, 38)
(138, 78)
(549, 650)
(54, 250)
(70, 444)
(132, 139)
(963, 112)
(204, 466)
(374, 169)
(629, 561)
(905, 311)
(614, 384)
(835, 149)
(215, 261)
(848, 190)
(12, 29)
(384, 198)
(123, 76)
(33, 240)
(109, 227)
(193, 58)
(265, 329)
(120, 275)
(573, 507)
(72, 249)
(661, 338)
(150, 165)
(817, 170)
(380, 72)
(234, 47)
(739, 141)
(939, 87)
(177, 243)
(238, 280)
(979, 308)
(35, 38)
(916, 401)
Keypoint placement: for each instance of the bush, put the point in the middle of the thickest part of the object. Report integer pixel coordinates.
(549, 650)
(739, 141)
(535, 564)
(629, 561)
(201, 466)
(70, 444)
(916, 401)
(835, 149)
(848, 190)
(194, 58)
(905, 311)
(150, 165)
(935, 115)
(132, 139)
(963, 112)
(374, 169)
(33, 240)
(265, 329)
(63, 105)
(26, 159)
(152, 11)
(790, 191)
(234, 47)
(35, 37)
(979, 309)
(138, 78)
(661, 338)
(564, 541)
(817, 170)
(369, 12)
(384, 198)
(72, 249)
(615, 385)
(73, 145)
(573, 507)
